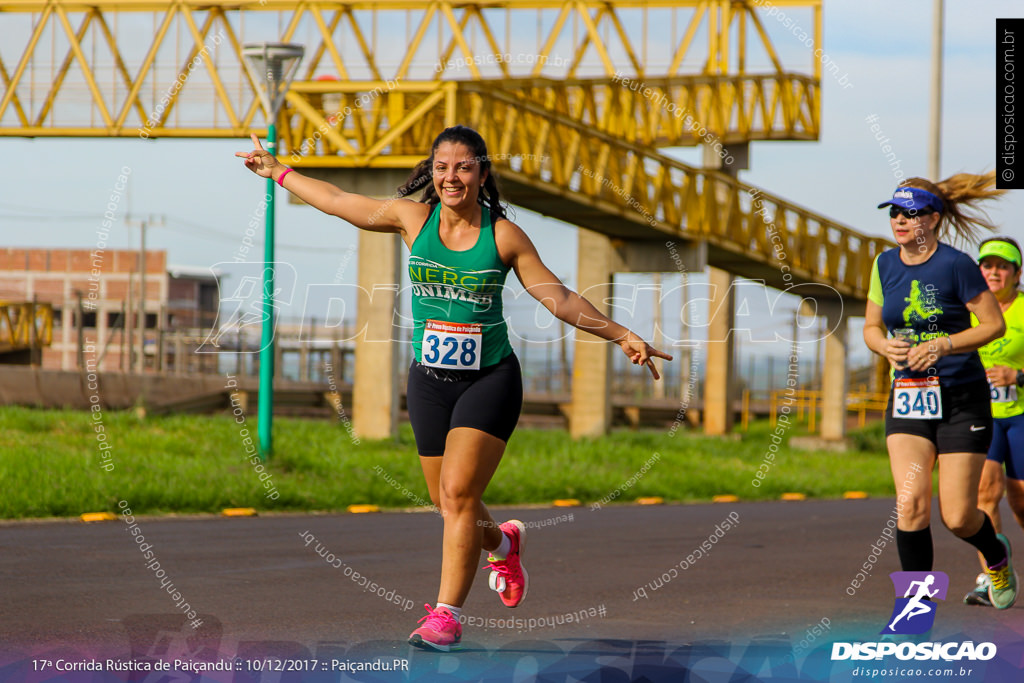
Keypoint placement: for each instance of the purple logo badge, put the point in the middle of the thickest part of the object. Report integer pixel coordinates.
(916, 592)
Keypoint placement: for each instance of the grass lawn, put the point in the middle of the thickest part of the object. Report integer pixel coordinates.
(51, 464)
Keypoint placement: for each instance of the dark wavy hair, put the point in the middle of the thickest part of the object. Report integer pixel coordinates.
(422, 177)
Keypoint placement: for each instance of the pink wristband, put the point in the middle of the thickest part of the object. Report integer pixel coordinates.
(280, 178)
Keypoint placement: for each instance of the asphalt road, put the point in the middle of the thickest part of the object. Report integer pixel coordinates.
(779, 578)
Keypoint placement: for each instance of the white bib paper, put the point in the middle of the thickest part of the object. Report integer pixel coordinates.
(1007, 394)
(918, 399)
(452, 346)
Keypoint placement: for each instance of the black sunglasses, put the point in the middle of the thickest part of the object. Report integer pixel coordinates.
(895, 211)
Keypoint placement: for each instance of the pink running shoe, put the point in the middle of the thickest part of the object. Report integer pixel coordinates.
(508, 576)
(441, 632)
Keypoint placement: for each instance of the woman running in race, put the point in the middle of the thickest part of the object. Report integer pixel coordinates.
(938, 412)
(1003, 358)
(465, 385)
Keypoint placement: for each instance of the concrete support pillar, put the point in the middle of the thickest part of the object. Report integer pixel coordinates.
(376, 391)
(278, 358)
(718, 372)
(303, 363)
(591, 366)
(718, 417)
(338, 363)
(834, 377)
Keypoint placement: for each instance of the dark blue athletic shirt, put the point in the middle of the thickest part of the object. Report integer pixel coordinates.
(931, 298)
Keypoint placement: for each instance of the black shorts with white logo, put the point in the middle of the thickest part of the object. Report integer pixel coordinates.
(489, 399)
(965, 426)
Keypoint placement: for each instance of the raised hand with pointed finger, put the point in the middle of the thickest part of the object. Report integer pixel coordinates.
(642, 353)
(260, 161)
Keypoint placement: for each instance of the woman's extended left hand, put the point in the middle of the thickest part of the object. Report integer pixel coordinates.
(642, 353)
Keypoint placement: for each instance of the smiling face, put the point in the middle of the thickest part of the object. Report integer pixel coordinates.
(1001, 275)
(917, 232)
(457, 175)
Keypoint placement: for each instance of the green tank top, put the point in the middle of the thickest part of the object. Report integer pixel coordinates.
(456, 299)
(1007, 350)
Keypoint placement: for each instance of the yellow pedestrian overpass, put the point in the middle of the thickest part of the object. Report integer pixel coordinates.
(575, 99)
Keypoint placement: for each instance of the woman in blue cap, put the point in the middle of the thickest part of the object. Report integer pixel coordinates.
(938, 411)
(1000, 262)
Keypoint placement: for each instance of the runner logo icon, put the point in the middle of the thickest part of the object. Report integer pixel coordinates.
(914, 612)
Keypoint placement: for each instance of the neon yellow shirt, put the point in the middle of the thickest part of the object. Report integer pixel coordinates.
(1007, 350)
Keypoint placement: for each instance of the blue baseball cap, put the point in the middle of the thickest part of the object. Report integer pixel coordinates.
(913, 198)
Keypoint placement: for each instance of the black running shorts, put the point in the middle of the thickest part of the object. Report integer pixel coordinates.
(489, 399)
(966, 424)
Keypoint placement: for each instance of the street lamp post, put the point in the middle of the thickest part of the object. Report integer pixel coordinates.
(274, 65)
(935, 119)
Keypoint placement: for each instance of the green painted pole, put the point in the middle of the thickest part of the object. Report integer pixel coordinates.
(266, 394)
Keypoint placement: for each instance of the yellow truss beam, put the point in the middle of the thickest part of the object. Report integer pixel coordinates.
(659, 111)
(389, 5)
(598, 37)
(664, 112)
(25, 326)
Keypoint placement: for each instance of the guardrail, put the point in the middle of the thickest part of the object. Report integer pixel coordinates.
(808, 402)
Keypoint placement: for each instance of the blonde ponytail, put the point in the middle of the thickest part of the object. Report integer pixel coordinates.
(961, 194)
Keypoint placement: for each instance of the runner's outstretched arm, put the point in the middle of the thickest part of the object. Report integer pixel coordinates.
(390, 215)
(565, 304)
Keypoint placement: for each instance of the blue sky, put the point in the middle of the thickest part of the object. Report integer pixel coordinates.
(55, 189)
